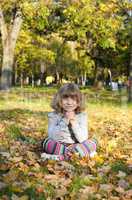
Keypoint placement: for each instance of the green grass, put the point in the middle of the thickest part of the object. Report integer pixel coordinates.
(78, 182)
(14, 131)
(120, 166)
(39, 95)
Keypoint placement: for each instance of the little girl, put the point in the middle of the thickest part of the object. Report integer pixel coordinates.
(67, 127)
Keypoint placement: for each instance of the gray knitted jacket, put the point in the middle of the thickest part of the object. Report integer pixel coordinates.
(58, 128)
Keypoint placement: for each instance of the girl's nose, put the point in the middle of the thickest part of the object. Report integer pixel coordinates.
(69, 100)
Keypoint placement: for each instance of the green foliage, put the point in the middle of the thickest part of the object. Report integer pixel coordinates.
(99, 30)
(36, 15)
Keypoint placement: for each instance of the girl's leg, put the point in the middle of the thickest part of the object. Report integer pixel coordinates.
(51, 146)
(86, 148)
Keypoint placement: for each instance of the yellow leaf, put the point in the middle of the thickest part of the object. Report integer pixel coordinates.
(16, 159)
(98, 159)
(25, 197)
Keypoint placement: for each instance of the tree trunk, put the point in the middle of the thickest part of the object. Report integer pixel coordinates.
(130, 78)
(6, 73)
(33, 82)
(57, 77)
(21, 80)
(43, 73)
(15, 74)
(83, 78)
(95, 73)
(9, 38)
(130, 63)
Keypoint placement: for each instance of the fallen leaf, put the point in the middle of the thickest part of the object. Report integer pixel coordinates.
(128, 193)
(61, 192)
(2, 185)
(106, 187)
(40, 189)
(5, 154)
(104, 169)
(120, 190)
(24, 197)
(15, 197)
(121, 174)
(122, 183)
(16, 159)
(114, 198)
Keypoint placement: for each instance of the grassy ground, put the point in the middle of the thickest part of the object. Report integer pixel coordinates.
(23, 124)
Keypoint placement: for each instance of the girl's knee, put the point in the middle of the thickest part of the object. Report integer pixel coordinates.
(51, 146)
(90, 142)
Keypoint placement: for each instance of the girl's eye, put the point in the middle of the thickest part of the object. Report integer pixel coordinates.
(65, 96)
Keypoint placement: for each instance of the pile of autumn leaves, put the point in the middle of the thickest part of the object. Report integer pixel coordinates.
(23, 175)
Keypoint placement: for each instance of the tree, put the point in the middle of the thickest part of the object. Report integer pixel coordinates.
(32, 55)
(92, 24)
(12, 13)
(9, 35)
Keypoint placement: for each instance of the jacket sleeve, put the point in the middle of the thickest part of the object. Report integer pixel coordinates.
(53, 126)
(80, 128)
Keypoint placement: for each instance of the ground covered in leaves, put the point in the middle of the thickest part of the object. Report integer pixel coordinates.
(23, 175)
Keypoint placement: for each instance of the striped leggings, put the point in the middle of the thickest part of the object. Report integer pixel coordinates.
(86, 148)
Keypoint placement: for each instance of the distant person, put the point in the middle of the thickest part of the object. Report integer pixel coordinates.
(114, 86)
(67, 126)
(120, 85)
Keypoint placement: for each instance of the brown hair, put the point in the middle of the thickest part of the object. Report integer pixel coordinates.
(68, 90)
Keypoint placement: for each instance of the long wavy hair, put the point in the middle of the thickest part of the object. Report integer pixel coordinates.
(68, 90)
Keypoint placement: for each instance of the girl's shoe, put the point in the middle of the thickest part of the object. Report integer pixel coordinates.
(46, 156)
(92, 154)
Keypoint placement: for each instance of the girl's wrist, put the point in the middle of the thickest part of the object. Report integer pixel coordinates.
(72, 121)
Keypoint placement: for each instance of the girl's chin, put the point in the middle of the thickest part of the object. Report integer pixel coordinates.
(69, 109)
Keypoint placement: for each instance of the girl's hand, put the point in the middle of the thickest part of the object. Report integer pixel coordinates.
(70, 116)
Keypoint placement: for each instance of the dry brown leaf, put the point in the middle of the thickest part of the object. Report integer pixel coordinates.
(23, 167)
(61, 192)
(104, 169)
(128, 194)
(129, 179)
(119, 190)
(114, 198)
(5, 154)
(2, 185)
(11, 176)
(24, 197)
(122, 183)
(121, 174)
(16, 159)
(106, 187)
(5, 197)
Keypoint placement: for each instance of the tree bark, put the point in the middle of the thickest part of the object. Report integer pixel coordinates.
(43, 73)
(83, 78)
(130, 63)
(21, 80)
(9, 38)
(130, 78)
(57, 77)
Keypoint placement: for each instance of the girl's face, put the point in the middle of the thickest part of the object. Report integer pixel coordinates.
(69, 104)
